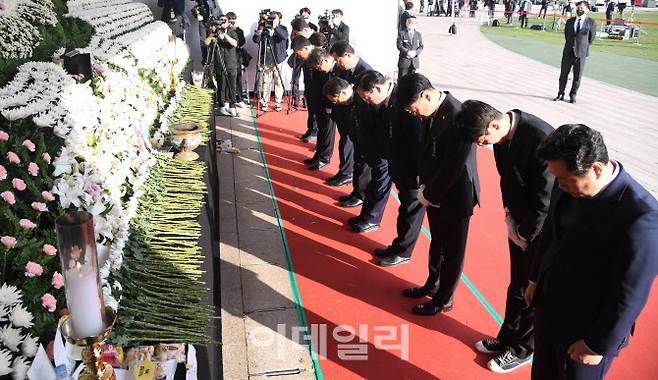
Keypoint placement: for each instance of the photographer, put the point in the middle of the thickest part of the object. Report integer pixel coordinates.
(338, 30)
(305, 14)
(272, 38)
(222, 41)
(242, 62)
(202, 12)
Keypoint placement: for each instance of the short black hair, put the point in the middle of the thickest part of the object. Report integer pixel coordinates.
(299, 42)
(409, 88)
(369, 79)
(231, 15)
(305, 10)
(408, 5)
(341, 47)
(583, 2)
(334, 86)
(316, 56)
(577, 145)
(410, 17)
(337, 12)
(474, 118)
(318, 39)
(299, 24)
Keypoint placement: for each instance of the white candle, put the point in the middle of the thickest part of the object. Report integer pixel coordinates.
(83, 300)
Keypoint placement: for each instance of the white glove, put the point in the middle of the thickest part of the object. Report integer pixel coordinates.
(513, 233)
(411, 53)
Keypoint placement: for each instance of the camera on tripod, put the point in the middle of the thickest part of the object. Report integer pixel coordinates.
(215, 27)
(324, 20)
(266, 19)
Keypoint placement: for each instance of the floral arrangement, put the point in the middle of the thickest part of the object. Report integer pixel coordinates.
(110, 18)
(18, 26)
(18, 345)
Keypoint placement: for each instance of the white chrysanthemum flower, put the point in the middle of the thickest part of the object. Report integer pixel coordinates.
(20, 368)
(5, 362)
(29, 346)
(11, 337)
(20, 317)
(9, 295)
(4, 311)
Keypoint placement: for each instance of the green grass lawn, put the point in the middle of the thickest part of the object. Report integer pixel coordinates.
(646, 49)
(622, 63)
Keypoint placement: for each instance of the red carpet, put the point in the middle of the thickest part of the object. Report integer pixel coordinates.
(341, 286)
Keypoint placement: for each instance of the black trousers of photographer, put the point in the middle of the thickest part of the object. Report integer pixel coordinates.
(227, 85)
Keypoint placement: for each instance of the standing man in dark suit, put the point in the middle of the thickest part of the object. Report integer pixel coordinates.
(302, 47)
(449, 188)
(410, 45)
(525, 184)
(300, 27)
(579, 33)
(596, 261)
(322, 63)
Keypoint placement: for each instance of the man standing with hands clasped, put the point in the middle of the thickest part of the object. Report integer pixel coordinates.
(596, 260)
(579, 33)
(410, 45)
(525, 184)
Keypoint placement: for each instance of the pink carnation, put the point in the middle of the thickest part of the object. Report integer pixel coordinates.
(49, 250)
(29, 145)
(33, 269)
(13, 158)
(8, 196)
(27, 224)
(46, 157)
(4, 136)
(8, 241)
(18, 184)
(58, 280)
(38, 206)
(3, 173)
(46, 195)
(33, 169)
(49, 302)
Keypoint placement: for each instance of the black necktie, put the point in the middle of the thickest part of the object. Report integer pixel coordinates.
(578, 27)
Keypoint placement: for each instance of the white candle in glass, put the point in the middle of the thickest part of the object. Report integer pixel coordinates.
(83, 300)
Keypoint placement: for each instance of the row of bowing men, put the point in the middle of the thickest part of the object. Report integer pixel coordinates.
(424, 140)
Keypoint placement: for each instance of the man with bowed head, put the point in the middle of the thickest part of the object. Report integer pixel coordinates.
(596, 260)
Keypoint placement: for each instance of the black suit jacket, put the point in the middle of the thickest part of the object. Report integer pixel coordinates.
(405, 44)
(340, 33)
(594, 278)
(375, 127)
(448, 164)
(353, 75)
(577, 45)
(405, 149)
(525, 181)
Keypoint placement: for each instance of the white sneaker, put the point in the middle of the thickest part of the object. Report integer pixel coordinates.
(234, 112)
(224, 112)
(277, 107)
(507, 362)
(241, 104)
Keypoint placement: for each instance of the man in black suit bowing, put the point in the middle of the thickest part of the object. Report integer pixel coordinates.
(596, 261)
(579, 33)
(449, 188)
(525, 184)
(410, 45)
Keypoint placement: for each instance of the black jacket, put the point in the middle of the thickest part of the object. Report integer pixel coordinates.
(525, 181)
(317, 103)
(406, 145)
(375, 127)
(448, 164)
(578, 45)
(353, 75)
(342, 32)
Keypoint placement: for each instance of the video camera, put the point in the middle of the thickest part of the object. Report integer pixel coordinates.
(266, 19)
(324, 20)
(201, 10)
(215, 27)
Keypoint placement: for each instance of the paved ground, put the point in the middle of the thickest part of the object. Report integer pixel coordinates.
(472, 67)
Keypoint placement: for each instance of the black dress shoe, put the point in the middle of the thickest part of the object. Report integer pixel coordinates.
(310, 138)
(394, 260)
(339, 180)
(310, 161)
(351, 202)
(385, 252)
(363, 227)
(559, 97)
(318, 165)
(572, 100)
(416, 292)
(354, 220)
(431, 308)
(343, 198)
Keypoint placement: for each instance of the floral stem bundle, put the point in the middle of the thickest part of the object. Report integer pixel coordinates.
(164, 298)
